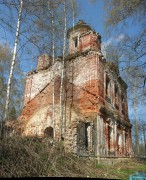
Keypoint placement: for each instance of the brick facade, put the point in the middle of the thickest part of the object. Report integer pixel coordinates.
(95, 110)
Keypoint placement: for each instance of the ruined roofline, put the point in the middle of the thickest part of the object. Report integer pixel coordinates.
(80, 23)
(84, 53)
(88, 32)
(35, 71)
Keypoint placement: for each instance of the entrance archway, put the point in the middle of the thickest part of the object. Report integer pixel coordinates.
(48, 132)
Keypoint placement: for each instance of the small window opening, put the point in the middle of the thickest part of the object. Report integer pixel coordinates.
(108, 86)
(76, 41)
(107, 83)
(108, 90)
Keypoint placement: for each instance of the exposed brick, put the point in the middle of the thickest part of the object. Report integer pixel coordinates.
(92, 124)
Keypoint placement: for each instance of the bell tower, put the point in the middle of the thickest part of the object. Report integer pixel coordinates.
(82, 37)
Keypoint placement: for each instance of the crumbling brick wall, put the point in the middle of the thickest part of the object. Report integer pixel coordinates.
(95, 111)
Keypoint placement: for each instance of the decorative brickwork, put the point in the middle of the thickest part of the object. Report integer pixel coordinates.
(95, 111)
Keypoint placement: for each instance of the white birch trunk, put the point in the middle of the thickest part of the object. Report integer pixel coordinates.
(13, 60)
(136, 116)
(73, 16)
(53, 56)
(62, 73)
(73, 20)
(136, 121)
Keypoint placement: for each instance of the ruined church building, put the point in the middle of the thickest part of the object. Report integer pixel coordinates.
(95, 110)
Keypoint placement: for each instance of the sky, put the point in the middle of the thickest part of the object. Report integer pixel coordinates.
(92, 14)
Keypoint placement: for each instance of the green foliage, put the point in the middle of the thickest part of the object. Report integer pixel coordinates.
(100, 166)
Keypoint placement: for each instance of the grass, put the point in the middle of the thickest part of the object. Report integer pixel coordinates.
(127, 168)
(34, 157)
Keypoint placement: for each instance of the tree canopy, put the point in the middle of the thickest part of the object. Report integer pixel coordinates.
(129, 19)
(17, 83)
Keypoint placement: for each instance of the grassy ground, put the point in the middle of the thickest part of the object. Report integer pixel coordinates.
(26, 157)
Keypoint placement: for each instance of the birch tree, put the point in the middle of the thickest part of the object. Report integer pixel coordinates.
(13, 60)
(62, 73)
(135, 97)
(53, 56)
(16, 84)
(37, 32)
(136, 121)
(142, 137)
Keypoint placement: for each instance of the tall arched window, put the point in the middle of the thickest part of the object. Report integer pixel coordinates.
(108, 89)
(75, 40)
(119, 139)
(116, 97)
(123, 104)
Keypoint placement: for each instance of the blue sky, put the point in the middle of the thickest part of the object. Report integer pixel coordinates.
(92, 14)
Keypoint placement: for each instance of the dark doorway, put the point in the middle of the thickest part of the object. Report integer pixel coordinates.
(83, 137)
(48, 132)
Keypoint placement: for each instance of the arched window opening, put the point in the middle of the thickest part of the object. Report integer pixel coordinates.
(110, 134)
(48, 132)
(108, 89)
(119, 139)
(75, 39)
(87, 134)
(126, 138)
(116, 97)
(109, 137)
(123, 104)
